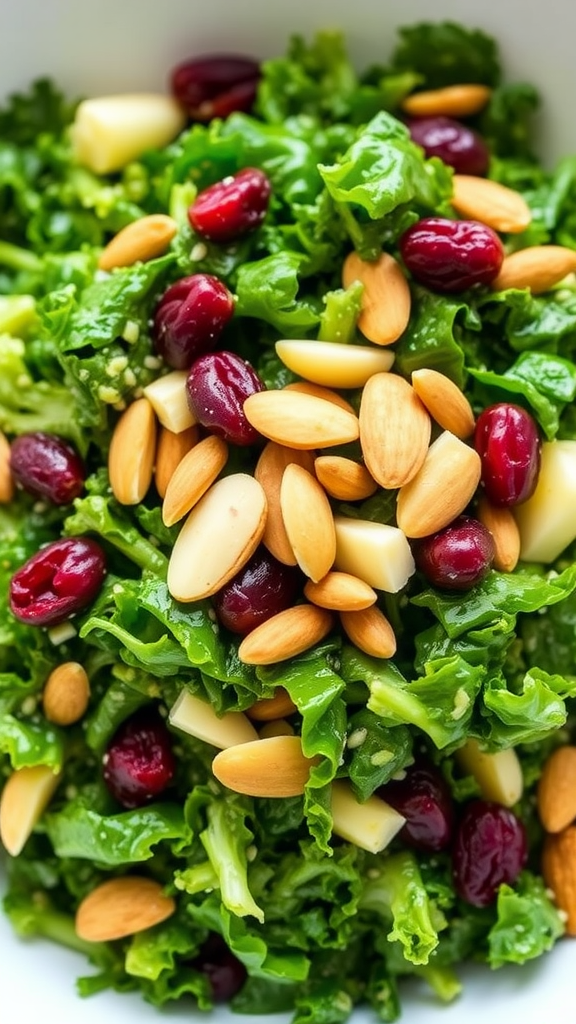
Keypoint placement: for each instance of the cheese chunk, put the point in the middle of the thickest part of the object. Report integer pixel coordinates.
(547, 521)
(376, 553)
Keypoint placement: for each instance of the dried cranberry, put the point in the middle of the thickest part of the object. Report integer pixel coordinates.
(508, 443)
(139, 764)
(457, 145)
(47, 466)
(232, 207)
(61, 579)
(263, 587)
(225, 972)
(218, 384)
(424, 799)
(215, 85)
(451, 255)
(190, 318)
(457, 557)
(490, 849)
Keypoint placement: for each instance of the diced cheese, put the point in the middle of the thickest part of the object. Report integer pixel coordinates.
(197, 718)
(377, 553)
(111, 131)
(370, 825)
(547, 521)
(167, 396)
(498, 774)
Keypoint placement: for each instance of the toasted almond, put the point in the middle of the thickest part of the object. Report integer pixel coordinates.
(441, 489)
(277, 727)
(132, 452)
(192, 478)
(340, 592)
(370, 631)
(505, 532)
(386, 303)
(377, 553)
(273, 767)
(25, 796)
(332, 364)
(142, 240)
(122, 906)
(306, 387)
(371, 825)
(296, 420)
(197, 717)
(66, 693)
(285, 635)
(269, 472)
(343, 478)
(394, 430)
(449, 101)
(498, 773)
(556, 794)
(170, 451)
(539, 268)
(6, 478)
(444, 401)
(496, 205)
(220, 534)
(269, 708)
(308, 521)
(559, 872)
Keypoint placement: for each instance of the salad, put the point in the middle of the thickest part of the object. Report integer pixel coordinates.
(288, 575)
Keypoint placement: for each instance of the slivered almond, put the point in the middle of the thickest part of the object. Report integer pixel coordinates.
(340, 592)
(142, 240)
(496, 205)
(441, 489)
(6, 478)
(122, 906)
(559, 872)
(296, 420)
(285, 635)
(445, 402)
(370, 631)
(167, 396)
(277, 727)
(220, 534)
(196, 717)
(377, 553)
(332, 364)
(66, 694)
(556, 794)
(192, 478)
(170, 451)
(273, 767)
(269, 472)
(24, 799)
(343, 478)
(132, 452)
(385, 303)
(269, 708)
(449, 101)
(308, 521)
(371, 825)
(394, 430)
(501, 523)
(539, 268)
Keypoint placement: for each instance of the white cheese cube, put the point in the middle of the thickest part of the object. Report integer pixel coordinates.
(376, 553)
(547, 521)
(167, 396)
(197, 718)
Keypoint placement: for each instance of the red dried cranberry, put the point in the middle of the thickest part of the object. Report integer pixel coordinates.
(424, 799)
(263, 587)
(457, 145)
(451, 255)
(457, 557)
(218, 384)
(190, 318)
(47, 466)
(215, 85)
(507, 441)
(490, 849)
(225, 972)
(139, 763)
(232, 207)
(61, 579)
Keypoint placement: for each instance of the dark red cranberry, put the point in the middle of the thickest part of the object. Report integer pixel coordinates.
(508, 443)
(218, 384)
(451, 255)
(225, 972)
(215, 85)
(490, 849)
(457, 557)
(263, 587)
(457, 145)
(190, 318)
(232, 207)
(47, 466)
(59, 580)
(139, 764)
(424, 799)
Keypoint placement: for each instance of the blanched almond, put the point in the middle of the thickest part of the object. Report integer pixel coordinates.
(143, 239)
(170, 451)
(198, 718)
(441, 489)
(556, 794)
(306, 387)
(377, 553)
(371, 825)
(6, 478)
(296, 420)
(167, 396)
(132, 452)
(500, 522)
(285, 635)
(25, 796)
(385, 300)
(192, 477)
(496, 205)
(332, 364)
(343, 478)
(394, 430)
(449, 101)
(539, 268)
(122, 906)
(340, 592)
(308, 521)
(273, 767)
(269, 471)
(66, 694)
(269, 708)
(498, 773)
(444, 401)
(370, 631)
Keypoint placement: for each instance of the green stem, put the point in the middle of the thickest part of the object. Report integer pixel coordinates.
(16, 258)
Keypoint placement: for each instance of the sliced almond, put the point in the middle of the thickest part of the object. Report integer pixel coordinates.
(444, 401)
(306, 387)
(273, 767)
(440, 491)
(25, 796)
(170, 451)
(269, 708)
(296, 420)
(122, 906)
(539, 268)
(449, 101)
(167, 396)
(144, 239)
(370, 631)
(340, 592)
(308, 521)
(196, 717)
(500, 522)
(377, 553)
(132, 452)
(66, 693)
(371, 825)
(556, 794)
(343, 478)
(394, 430)
(559, 872)
(496, 205)
(219, 536)
(192, 478)
(386, 302)
(278, 727)
(269, 471)
(6, 478)
(332, 364)
(285, 635)
(498, 773)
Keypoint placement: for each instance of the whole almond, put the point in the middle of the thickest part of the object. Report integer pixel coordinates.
(333, 364)
(559, 872)
(539, 268)
(306, 387)
(122, 906)
(441, 489)
(285, 635)
(269, 472)
(142, 240)
(269, 708)
(276, 727)
(308, 521)
(343, 478)
(386, 302)
(170, 451)
(394, 430)
(449, 101)
(556, 794)
(496, 205)
(66, 694)
(370, 631)
(132, 452)
(25, 796)
(6, 478)
(273, 767)
(501, 523)
(340, 592)
(447, 405)
(192, 477)
(297, 420)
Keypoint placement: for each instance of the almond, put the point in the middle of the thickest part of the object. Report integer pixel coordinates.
(277, 727)
(296, 420)
(556, 795)
(273, 767)
(449, 101)
(122, 906)
(66, 693)
(285, 635)
(333, 364)
(24, 799)
(496, 205)
(445, 402)
(394, 430)
(269, 472)
(340, 592)
(269, 708)
(192, 477)
(308, 521)
(170, 451)
(559, 872)
(441, 489)
(539, 268)
(6, 478)
(370, 631)
(132, 452)
(501, 523)
(386, 302)
(344, 479)
(306, 387)
(144, 239)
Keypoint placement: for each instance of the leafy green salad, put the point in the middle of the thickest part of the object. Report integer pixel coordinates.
(302, 916)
